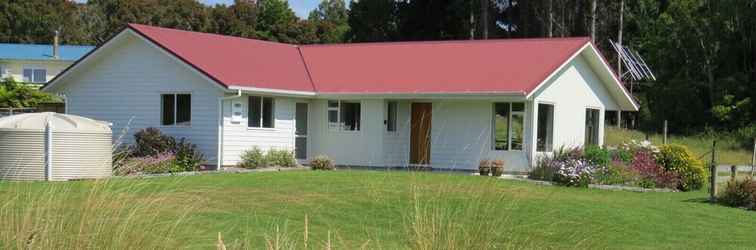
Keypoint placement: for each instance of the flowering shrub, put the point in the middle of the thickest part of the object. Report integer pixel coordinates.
(650, 174)
(573, 172)
(679, 160)
(158, 164)
(565, 167)
(150, 145)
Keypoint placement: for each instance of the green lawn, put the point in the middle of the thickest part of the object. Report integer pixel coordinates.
(728, 151)
(358, 209)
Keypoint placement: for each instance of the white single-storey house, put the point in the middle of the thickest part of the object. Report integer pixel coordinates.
(444, 104)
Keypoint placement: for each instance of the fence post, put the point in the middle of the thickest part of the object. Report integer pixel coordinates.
(713, 173)
(733, 172)
(10, 111)
(753, 160)
(665, 132)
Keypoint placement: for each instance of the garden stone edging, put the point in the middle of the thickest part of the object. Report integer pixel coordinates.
(209, 172)
(595, 186)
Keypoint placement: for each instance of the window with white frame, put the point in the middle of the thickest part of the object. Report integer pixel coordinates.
(592, 117)
(508, 125)
(343, 115)
(260, 112)
(35, 75)
(545, 128)
(391, 108)
(176, 109)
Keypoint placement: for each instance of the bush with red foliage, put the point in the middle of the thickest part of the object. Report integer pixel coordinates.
(651, 174)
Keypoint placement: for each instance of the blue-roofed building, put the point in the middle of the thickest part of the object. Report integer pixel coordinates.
(37, 63)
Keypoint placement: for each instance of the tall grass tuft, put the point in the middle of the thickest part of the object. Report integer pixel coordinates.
(439, 220)
(99, 216)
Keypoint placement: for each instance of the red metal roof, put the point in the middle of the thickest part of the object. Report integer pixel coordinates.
(490, 66)
(234, 61)
(514, 65)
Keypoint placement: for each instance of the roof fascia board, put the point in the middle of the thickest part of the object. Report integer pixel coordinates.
(556, 71)
(615, 80)
(83, 60)
(178, 59)
(281, 92)
(440, 95)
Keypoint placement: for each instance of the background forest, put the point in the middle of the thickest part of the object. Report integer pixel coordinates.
(703, 52)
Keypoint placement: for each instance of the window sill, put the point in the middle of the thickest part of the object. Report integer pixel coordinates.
(513, 150)
(263, 129)
(345, 132)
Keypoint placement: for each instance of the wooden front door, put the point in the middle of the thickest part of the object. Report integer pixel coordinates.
(420, 137)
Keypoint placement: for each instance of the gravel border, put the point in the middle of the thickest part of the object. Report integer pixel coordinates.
(594, 186)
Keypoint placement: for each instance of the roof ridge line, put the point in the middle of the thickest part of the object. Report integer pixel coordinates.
(447, 42)
(132, 25)
(307, 69)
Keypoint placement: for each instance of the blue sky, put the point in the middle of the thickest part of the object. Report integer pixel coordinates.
(301, 7)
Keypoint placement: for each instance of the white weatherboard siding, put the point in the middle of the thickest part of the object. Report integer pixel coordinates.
(362, 148)
(396, 144)
(461, 136)
(123, 86)
(575, 88)
(238, 137)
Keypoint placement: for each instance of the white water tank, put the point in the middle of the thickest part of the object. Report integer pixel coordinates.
(52, 146)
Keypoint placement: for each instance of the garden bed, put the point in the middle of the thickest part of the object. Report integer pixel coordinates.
(634, 166)
(596, 186)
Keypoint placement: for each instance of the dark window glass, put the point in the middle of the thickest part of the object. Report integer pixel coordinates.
(168, 109)
(391, 119)
(183, 109)
(545, 128)
(350, 116)
(267, 112)
(254, 111)
(591, 126)
(518, 106)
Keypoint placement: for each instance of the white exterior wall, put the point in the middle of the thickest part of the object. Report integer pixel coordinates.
(461, 136)
(15, 68)
(123, 86)
(238, 137)
(396, 144)
(361, 148)
(575, 88)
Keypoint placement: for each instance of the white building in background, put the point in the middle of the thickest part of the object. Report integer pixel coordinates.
(37, 63)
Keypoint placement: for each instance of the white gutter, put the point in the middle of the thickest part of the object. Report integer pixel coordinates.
(219, 157)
